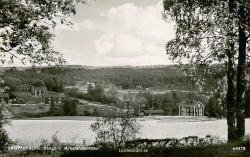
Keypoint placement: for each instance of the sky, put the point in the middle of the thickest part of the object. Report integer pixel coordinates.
(116, 33)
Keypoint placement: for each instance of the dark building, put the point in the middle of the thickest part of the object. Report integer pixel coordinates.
(153, 112)
(24, 87)
(53, 97)
(4, 97)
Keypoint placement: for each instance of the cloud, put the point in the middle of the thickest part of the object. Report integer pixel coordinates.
(135, 31)
(124, 34)
(119, 45)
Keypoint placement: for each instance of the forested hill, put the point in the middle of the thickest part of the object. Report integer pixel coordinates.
(161, 77)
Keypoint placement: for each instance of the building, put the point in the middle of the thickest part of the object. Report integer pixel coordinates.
(195, 108)
(138, 87)
(24, 87)
(53, 97)
(4, 97)
(90, 84)
(37, 91)
(83, 89)
(159, 112)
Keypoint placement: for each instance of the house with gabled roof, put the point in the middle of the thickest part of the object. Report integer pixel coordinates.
(37, 91)
(53, 97)
(24, 87)
(195, 108)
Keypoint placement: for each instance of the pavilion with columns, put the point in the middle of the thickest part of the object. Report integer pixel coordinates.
(195, 108)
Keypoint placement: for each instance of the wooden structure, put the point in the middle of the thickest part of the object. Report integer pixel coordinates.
(24, 87)
(195, 108)
(159, 112)
(4, 98)
(37, 91)
(54, 97)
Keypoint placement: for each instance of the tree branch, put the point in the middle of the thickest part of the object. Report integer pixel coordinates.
(8, 51)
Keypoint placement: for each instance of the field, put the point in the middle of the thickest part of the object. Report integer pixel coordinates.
(24, 111)
(27, 111)
(76, 129)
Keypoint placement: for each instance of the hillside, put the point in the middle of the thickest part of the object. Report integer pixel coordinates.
(177, 77)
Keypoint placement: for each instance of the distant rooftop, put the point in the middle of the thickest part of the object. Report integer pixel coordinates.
(4, 95)
(192, 104)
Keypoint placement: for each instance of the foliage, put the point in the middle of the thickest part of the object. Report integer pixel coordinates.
(70, 106)
(5, 118)
(12, 82)
(115, 128)
(52, 109)
(208, 31)
(96, 95)
(26, 29)
(168, 102)
(169, 77)
(38, 83)
(216, 106)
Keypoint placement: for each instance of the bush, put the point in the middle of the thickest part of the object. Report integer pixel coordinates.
(114, 129)
(70, 107)
(86, 113)
(4, 140)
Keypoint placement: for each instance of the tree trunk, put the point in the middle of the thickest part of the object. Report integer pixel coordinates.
(231, 101)
(241, 85)
(231, 96)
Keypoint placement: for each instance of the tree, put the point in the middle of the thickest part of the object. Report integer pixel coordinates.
(38, 83)
(26, 29)
(49, 83)
(12, 82)
(5, 118)
(90, 90)
(70, 107)
(25, 33)
(52, 110)
(115, 128)
(138, 103)
(60, 86)
(215, 30)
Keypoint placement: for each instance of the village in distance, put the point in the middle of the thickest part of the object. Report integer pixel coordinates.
(161, 90)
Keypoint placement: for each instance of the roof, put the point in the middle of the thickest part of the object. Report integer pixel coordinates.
(53, 95)
(4, 95)
(24, 86)
(160, 111)
(38, 88)
(193, 104)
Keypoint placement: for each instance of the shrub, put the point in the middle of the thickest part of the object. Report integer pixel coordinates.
(114, 129)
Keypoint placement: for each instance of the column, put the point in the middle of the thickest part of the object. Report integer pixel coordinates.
(179, 111)
(194, 111)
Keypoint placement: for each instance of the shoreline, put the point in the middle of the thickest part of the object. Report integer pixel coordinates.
(159, 119)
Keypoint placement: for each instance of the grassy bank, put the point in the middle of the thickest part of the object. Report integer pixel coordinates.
(213, 150)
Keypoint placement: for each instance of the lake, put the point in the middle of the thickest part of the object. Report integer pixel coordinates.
(31, 132)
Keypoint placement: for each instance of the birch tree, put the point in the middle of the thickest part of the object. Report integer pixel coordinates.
(209, 31)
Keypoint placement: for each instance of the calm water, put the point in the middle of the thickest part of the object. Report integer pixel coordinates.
(74, 131)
